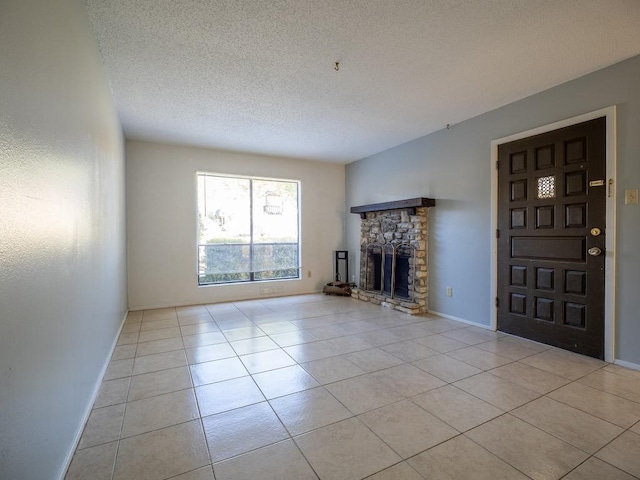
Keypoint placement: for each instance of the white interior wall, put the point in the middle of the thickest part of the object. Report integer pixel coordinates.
(62, 232)
(162, 216)
(453, 166)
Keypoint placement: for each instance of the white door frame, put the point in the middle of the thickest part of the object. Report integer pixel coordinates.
(610, 241)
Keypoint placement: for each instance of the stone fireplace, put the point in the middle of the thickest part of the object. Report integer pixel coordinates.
(393, 254)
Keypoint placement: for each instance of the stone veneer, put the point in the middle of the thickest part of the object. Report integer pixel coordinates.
(396, 227)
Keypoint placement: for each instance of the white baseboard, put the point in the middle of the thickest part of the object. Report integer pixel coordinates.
(624, 363)
(94, 395)
(462, 320)
(136, 308)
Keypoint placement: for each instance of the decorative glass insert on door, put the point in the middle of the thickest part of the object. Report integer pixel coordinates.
(547, 187)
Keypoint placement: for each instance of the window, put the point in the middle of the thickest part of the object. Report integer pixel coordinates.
(248, 229)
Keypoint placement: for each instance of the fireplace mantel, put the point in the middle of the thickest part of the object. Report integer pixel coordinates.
(410, 203)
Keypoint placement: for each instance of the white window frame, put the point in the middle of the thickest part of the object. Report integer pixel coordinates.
(252, 274)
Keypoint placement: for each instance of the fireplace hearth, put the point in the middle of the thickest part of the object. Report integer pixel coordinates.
(393, 254)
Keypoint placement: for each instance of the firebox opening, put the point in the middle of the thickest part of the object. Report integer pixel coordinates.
(389, 270)
(375, 268)
(388, 274)
(402, 276)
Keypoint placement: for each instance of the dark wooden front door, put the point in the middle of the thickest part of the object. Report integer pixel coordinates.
(551, 237)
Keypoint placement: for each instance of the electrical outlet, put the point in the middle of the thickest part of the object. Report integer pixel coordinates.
(449, 291)
(309, 273)
(631, 196)
(271, 290)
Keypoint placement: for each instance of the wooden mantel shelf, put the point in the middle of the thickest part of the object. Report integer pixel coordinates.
(410, 203)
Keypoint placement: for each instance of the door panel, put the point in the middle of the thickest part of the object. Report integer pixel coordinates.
(569, 249)
(550, 280)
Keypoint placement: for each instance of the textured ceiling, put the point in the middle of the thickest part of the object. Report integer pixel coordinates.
(258, 75)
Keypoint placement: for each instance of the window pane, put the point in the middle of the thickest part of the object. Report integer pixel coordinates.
(224, 210)
(275, 256)
(275, 212)
(224, 263)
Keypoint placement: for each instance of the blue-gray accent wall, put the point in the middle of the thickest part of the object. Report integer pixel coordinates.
(453, 166)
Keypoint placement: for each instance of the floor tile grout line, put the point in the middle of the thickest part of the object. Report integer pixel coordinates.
(632, 475)
(305, 458)
(605, 391)
(444, 421)
(540, 395)
(577, 380)
(447, 383)
(624, 431)
(291, 436)
(204, 431)
(213, 464)
(583, 411)
(493, 454)
(389, 446)
(508, 412)
(475, 366)
(126, 404)
(342, 355)
(160, 428)
(577, 466)
(190, 471)
(556, 436)
(332, 396)
(451, 384)
(365, 374)
(395, 464)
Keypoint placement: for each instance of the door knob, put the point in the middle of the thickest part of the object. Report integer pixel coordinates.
(594, 251)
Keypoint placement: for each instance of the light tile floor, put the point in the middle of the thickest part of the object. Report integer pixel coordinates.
(315, 386)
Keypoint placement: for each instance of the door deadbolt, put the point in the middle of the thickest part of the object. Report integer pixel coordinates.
(594, 251)
(595, 231)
